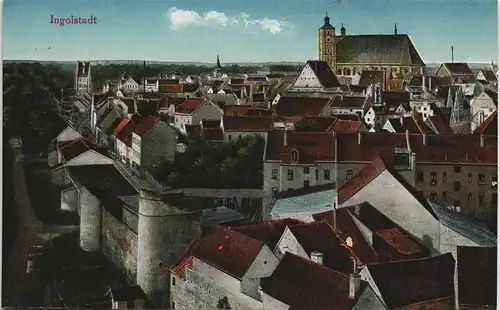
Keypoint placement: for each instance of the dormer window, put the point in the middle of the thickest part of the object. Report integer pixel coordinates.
(295, 155)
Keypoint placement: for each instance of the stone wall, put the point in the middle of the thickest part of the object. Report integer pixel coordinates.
(119, 245)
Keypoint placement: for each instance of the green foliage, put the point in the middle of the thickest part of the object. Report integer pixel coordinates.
(306, 125)
(235, 164)
(31, 94)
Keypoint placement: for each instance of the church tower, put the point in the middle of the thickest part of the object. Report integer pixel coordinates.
(327, 39)
(83, 80)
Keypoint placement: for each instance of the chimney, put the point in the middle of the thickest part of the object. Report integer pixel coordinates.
(424, 139)
(285, 137)
(354, 282)
(317, 257)
(359, 137)
(452, 56)
(423, 81)
(401, 121)
(481, 140)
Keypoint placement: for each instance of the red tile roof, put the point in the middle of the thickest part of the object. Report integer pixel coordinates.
(228, 250)
(312, 146)
(247, 123)
(372, 144)
(320, 237)
(400, 241)
(303, 284)
(301, 106)
(189, 105)
(74, 148)
(237, 109)
(170, 88)
(489, 125)
(355, 102)
(166, 101)
(324, 73)
(212, 134)
(346, 126)
(370, 173)
(146, 124)
(477, 276)
(210, 124)
(323, 123)
(120, 127)
(429, 279)
(268, 232)
(259, 112)
(180, 269)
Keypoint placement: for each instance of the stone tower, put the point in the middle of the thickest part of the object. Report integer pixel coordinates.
(164, 233)
(327, 40)
(83, 81)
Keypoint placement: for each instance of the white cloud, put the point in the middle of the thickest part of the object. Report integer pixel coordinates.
(179, 18)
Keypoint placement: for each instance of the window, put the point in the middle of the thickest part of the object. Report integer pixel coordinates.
(274, 174)
(433, 197)
(295, 155)
(290, 175)
(433, 178)
(326, 174)
(470, 177)
(456, 186)
(317, 174)
(173, 281)
(469, 198)
(458, 169)
(444, 177)
(420, 176)
(481, 198)
(348, 174)
(306, 183)
(480, 178)
(306, 170)
(274, 191)
(444, 196)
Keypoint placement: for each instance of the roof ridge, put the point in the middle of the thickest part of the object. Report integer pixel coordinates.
(307, 260)
(409, 260)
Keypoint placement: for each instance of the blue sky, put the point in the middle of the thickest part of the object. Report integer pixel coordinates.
(240, 30)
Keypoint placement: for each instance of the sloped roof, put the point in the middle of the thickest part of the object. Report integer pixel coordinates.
(356, 102)
(146, 124)
(377, 49)
(477, 276)
(247, 123)
(457, 68)
(429, 279)
(489, 126)
(324, 73)
(370, 173)
(303, 284)
(74, 148)
(268, 232)
(189, 105)
(489, 75)
(320, 237)
(301, 106)
(228, 250)
(369, 77)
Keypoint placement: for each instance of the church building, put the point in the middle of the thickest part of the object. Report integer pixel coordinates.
(83, 77)
(350, 54)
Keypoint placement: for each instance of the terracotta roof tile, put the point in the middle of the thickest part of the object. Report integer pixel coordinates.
(237, 109)
(74, 148)
(189, 105)
(301, 106)
(356, 102)
(268, 232)
(429, 279)
(255, 111)
(346, 126)
(399, 240)
(247, 123)
(320, 237)
(170, 88)
(303, 284)
(365, 147)
(477, 276)
(146, 124)
(324, 73)
(120, 126)
(228, 250)
(180, 268)
(312, 146)
(489, 126)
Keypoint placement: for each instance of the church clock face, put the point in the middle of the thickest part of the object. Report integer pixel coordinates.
(328, 39)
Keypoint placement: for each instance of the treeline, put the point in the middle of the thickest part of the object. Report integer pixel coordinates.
(234, 164)
(30, 101)
(285, 68)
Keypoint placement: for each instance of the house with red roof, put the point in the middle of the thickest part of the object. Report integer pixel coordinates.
(425, 283)
(237, 127)
(67, 135)
(315, 76)
(482, 106)
(193, 110)
(152, 142)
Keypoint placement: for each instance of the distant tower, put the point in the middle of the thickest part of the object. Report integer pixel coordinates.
(395, 29)
(218, 71)
(327, 50)
(164, 233)
(342, 30)
(218, 63)
(83, 80)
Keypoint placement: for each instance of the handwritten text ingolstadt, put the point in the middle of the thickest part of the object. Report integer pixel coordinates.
(73, 20)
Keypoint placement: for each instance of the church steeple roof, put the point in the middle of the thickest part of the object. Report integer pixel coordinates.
(218, 62)
(327, 24)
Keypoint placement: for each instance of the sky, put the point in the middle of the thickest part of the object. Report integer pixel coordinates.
(240, 30)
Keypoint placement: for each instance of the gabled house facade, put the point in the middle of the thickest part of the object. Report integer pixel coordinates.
(315, 76)
(191, 111)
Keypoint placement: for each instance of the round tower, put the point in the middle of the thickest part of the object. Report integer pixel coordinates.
(90, 221)
(164, 234)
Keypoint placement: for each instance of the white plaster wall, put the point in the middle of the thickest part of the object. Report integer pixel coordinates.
(122, 150)
(207, 111)
(69, 200)
(299, 176)
(181, 120)
(393, 200)
(88, 158)
(214, 275)
(307, 79)
(288, 243)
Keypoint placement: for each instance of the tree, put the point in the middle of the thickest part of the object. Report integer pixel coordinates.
(306, 125)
